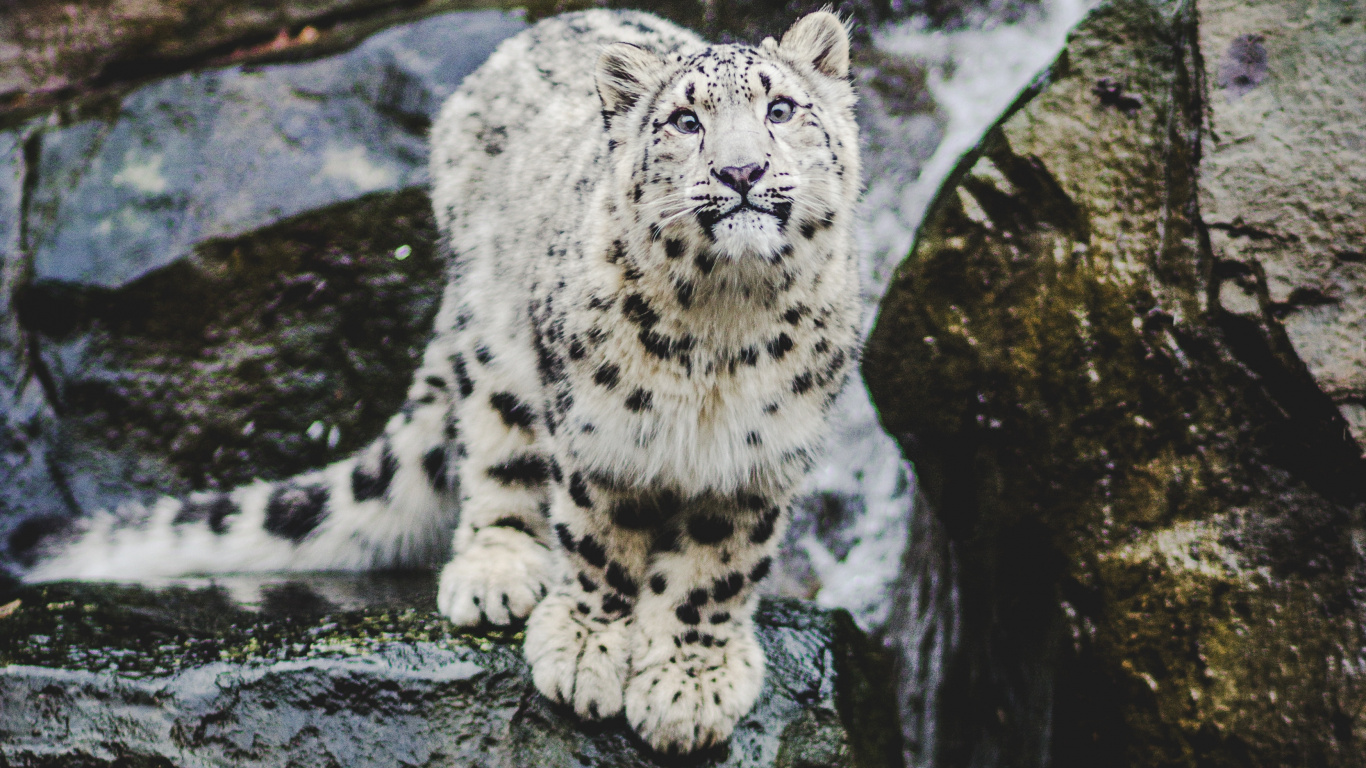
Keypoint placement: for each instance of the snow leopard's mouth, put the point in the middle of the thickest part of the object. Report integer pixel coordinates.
(710, 218)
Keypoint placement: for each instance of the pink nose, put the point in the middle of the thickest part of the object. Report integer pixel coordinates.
(741, 177)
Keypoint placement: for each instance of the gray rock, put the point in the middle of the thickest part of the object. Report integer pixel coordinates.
(1283, 181)
(1147, 493)
(217, 153)
(338, 671)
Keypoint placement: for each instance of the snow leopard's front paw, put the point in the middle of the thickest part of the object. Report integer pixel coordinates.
(498, 578)
(687, 693)
(575, 659)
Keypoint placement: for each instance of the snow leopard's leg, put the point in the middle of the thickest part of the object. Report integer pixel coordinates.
(502, 565)
(696, 666)
(578, 639)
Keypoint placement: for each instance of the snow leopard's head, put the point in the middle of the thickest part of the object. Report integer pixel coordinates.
(735, 153)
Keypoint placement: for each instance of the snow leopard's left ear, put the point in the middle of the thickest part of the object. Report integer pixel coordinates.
(625, 73)
(820, 40)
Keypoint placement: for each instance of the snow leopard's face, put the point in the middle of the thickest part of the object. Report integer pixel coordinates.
(740, 153)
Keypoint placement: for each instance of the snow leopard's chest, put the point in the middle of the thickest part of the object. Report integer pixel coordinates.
(647, 396)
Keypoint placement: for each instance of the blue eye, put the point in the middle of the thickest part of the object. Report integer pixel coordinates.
(780, 111)
(686, 121)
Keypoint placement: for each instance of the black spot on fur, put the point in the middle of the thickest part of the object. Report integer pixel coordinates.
(753, 439)
(749, 356)
(705, 263)
(691, 637)
(633, 514)
(698, 597)
(584, 609)
(760, 570)
(436, 381)
(434, 464)
(588, 584)
(687, 613)
(801, 384)
(214, 512)
(578, 491)
(520, 470)
(720, 617)
(768, 85)
(762, 532)
(566, 538)
(482, 354)
(592, 552)
(293, 512)
(638, 311)
(514, 412)
(751, 501)
(673, 248)
(780, 346)
(462, 376)
(683, 291)
(620, 581)
(666, 539)
(706, 529)
(658, 584)
(606, 375)
(794, 315)
(514, 523)
(664, 347)
(689, 92)
(808, 229)
(367, 484)
(639, 400)
(612, 603)
(724, 589)
(556, 473)
(576, 350)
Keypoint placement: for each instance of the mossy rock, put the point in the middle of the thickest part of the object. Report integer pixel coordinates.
(1152, 500)
(336, 670)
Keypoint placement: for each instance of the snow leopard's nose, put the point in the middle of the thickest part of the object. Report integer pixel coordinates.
(741, 177)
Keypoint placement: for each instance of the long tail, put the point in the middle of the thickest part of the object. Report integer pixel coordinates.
(392, 505)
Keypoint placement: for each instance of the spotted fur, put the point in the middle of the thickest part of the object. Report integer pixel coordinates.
(651, 307)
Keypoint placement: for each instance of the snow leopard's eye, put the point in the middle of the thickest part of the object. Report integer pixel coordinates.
(686, 121)
(780, 110)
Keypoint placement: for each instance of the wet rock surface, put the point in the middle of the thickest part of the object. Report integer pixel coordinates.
(361, 671)
(1139, 447)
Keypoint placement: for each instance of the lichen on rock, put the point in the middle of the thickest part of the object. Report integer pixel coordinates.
(361, 670)
(1153, 501)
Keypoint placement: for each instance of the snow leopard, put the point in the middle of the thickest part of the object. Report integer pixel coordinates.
(651, 306)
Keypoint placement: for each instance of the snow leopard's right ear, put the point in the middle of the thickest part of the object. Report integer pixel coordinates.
(819, 40)
(625, 73)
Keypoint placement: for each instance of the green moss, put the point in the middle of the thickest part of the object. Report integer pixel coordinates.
(141, 632)
(1221, 666)
(1050, 359)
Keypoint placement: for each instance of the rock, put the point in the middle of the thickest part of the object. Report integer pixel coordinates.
(57, 53)
(1134, 435)
(361, 671)
(219, 153)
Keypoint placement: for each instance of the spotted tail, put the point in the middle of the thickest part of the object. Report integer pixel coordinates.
(392, 505)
